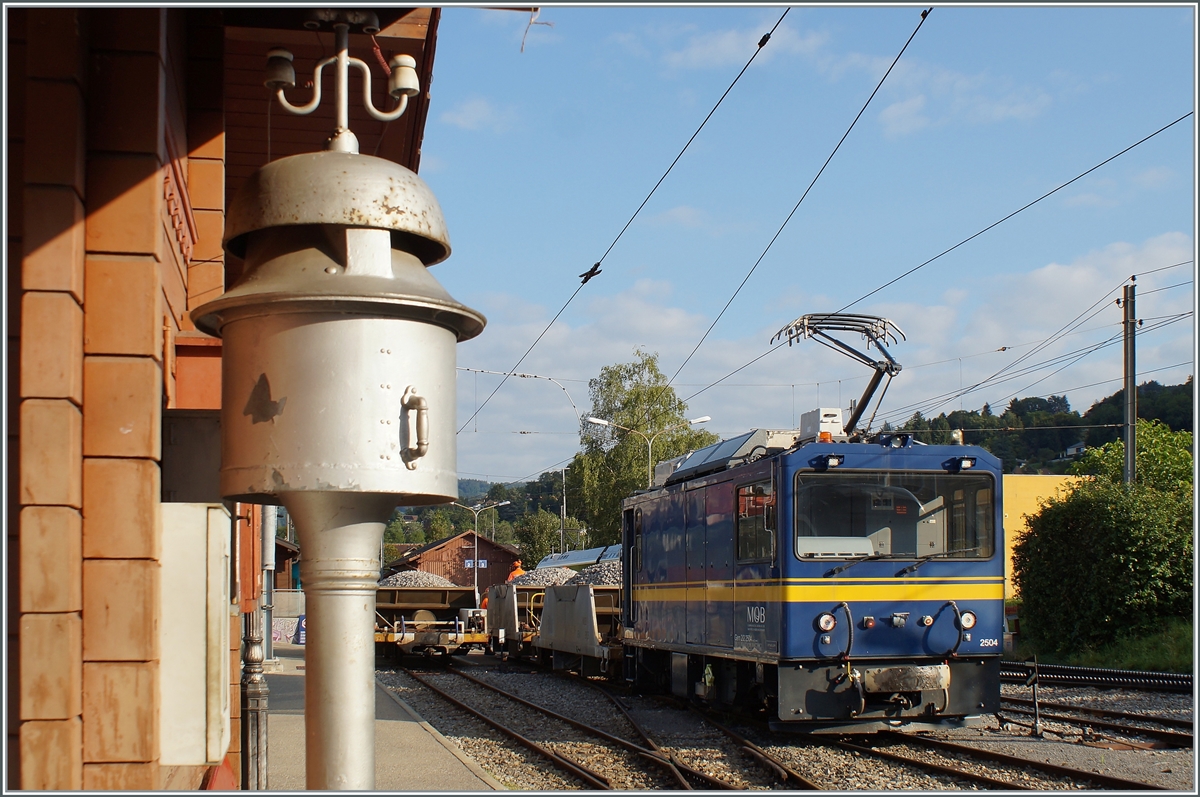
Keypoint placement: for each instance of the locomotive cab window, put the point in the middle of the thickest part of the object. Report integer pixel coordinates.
(756, 522)
(894, 514)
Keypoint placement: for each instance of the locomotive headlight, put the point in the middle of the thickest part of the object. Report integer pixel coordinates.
(826, 622)
(967, 620)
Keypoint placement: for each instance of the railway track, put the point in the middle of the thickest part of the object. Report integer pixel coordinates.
(653, 746)
(1075, 776)
(598, 758)
(1062, 675)
(1101, 720)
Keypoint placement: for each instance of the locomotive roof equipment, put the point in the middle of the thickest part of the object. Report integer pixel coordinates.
(876, 330)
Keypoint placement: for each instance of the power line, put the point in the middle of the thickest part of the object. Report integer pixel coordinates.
(779, 232)
(761, 43)
(587, 275)
(932, 404)
(1018, 210)
(1166, 288)
(957, 245)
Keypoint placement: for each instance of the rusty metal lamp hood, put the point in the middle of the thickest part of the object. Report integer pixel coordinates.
(336, 332)
(338, 384)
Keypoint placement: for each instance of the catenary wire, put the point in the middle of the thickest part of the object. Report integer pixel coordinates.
(761, 43)
(771, 243)
(1062, 332)
(932, 404)
(957, 245)
(1076, 178)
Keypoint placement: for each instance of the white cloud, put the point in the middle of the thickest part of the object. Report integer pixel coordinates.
(961, 329)
(478, 113)
(905, 116)
(1090, 200)
(735, 46)
(682, 216)
(1154, 177)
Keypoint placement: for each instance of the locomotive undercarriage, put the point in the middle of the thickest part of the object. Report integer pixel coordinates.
(867, 695)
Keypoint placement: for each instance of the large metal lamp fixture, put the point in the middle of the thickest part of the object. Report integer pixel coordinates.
(338, 384)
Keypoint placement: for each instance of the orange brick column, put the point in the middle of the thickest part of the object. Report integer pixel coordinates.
(47, 61)
(128, 255)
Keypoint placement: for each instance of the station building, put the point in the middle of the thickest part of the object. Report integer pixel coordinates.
(128, 130)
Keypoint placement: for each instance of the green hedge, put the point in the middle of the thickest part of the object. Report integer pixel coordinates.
(1105, 561)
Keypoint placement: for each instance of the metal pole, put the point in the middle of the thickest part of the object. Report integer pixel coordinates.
(254, 704)
(475, 568)
(270, 524)
(650, 461)
(1130, 385)
(339, 534)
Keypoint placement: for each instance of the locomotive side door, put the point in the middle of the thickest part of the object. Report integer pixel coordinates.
(694, 523)
(756, 608)
(718, 555)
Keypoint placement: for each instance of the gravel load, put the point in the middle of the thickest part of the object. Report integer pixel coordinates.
(545, 577)
(608, 573)
(415, 578)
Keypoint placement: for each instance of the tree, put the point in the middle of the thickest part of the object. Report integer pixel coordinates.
(536, 535)
(1164, 459)
(613, 463)
(1171, 404)
(438, 525)
(1110, 558)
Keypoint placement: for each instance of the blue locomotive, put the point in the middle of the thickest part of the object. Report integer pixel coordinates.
(842, 585)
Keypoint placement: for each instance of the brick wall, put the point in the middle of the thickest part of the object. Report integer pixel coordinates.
(101, 138)
(47, 166)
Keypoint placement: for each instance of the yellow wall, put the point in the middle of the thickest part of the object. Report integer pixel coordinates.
(1021, 497)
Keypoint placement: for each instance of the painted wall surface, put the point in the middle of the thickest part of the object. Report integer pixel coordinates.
(1022, 496)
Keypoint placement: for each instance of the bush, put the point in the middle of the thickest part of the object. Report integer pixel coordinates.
(1106, 560)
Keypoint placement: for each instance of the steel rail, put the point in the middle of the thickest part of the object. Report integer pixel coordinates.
(677, 767)
(1064, 675)
(1173, 738)
(1170, 722)
(648, 753)
(589, 777)
(1003, 758)
(777, 767)
(708, 780)
(913, 762)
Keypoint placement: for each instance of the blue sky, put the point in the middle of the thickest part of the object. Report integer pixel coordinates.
(540, 157)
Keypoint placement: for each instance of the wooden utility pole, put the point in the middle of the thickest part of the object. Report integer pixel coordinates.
(1130, 324)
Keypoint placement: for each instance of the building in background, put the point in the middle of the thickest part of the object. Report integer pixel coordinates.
(128, 131)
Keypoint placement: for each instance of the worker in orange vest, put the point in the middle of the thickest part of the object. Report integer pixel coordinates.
(516, 570)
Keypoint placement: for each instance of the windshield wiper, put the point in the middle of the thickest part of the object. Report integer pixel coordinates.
(913, 567)
(850, 564)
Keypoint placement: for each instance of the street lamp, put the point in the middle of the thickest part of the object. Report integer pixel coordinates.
(475, 510)
(650, 440)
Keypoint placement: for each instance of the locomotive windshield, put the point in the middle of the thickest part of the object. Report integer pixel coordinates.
(894, 514)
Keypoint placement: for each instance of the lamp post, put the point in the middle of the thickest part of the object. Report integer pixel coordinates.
(475, 510)
(562, 528)
(650, 440)
(337, 379)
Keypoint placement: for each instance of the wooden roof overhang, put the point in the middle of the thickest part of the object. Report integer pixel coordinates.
(258, 129)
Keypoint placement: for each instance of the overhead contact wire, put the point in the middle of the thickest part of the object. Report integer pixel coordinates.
(761, 43)
(960, 243)
(1076, 178)
(924, 15)
(596, 268)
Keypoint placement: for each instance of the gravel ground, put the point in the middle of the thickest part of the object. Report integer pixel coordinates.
(513, 765)
(415, 578)
(702, 746)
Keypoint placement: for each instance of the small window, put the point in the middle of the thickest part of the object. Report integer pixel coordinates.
(756, 522)
(637, 540)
